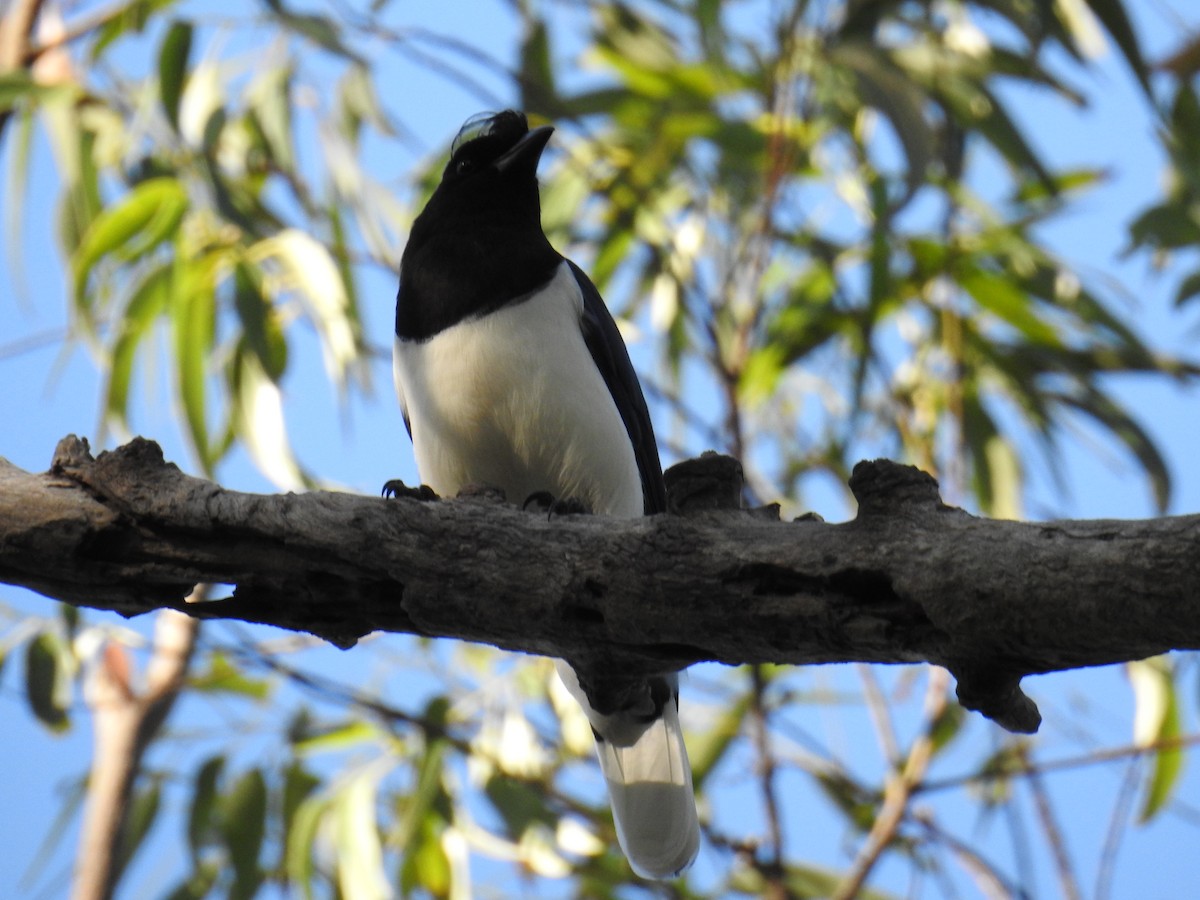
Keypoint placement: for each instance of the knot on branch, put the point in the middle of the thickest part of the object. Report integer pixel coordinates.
(881, 487)
(711, 481)
(71, 453)
(995, 692)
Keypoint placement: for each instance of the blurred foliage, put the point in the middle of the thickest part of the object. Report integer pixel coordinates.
(827, 215)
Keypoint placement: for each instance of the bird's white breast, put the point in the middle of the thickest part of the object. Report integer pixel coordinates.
(514, 400)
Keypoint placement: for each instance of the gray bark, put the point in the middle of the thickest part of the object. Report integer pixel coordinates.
(908, 580)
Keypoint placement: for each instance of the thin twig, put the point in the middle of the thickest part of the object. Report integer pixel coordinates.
(987, 877)
(1023, 768)
(16, 27)
(898, 790)
(772, 867)
(1117, 824)
(1063, 868)
(880, 714)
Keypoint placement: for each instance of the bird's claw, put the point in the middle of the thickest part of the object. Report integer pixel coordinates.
(397, 488)
(555, 506)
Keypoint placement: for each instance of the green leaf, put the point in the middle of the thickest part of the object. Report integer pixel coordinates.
(199, 883)
(47, 680)
(18, 86)
(1124, 428)
(202, 827)
(519, 803)
(336, 737)
(172, 68)
(224, 677)
(1113, 15)
(1157, 721)
(301, 837)
(708, 748)
(243, 826)
(424, 795)
(1166, 227)
(849, 797)
(260, 324)
(1012, 306)
(149, 301)
(131, 17)
(536, 75)
(426, 866)
(359, 848)
(313, 273)
(947, 726)
(271, 103)
(890, 92)
(298, 786)
(1189, 289)
(193, 323)
(149, 214)
(15, 86)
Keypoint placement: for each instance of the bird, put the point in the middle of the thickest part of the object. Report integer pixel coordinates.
(511, 373)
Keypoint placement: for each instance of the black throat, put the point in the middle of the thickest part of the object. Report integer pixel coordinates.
(465, 266)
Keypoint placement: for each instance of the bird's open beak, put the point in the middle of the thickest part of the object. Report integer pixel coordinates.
(527, 151)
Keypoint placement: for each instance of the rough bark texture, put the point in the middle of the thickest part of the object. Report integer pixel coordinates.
(908, 580)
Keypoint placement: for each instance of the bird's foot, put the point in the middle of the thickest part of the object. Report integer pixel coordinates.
(397, 488)
(556, 506)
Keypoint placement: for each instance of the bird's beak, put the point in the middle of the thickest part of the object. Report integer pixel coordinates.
(527, 151)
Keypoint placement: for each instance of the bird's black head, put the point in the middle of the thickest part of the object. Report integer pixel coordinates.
(478, 244)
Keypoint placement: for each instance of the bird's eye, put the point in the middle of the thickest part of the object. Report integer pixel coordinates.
(463, 166)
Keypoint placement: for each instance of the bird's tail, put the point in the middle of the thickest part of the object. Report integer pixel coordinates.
(649, 785)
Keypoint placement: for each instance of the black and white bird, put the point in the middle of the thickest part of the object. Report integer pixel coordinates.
(511, 373)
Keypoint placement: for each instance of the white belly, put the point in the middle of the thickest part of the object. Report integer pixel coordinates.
(513, 400)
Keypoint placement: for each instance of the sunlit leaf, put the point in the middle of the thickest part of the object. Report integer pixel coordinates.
(222, 676)
(302, 832)
(424, 796)
(311, 271)
(337, 737)
(298, 786)
(1157, 721)
(1009, 304)
(359, 848)
(149, 214)
(261, 425)
(270, 96)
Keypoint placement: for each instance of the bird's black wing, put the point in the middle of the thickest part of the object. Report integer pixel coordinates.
(612, 359)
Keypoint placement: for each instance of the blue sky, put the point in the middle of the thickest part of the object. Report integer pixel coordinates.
(50, 390)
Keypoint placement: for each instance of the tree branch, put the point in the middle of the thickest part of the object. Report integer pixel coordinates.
(908, 580)
(126, 720)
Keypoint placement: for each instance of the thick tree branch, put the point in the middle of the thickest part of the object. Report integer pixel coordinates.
(908, 580)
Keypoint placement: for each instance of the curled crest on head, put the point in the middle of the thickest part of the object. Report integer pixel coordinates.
(488, 123)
